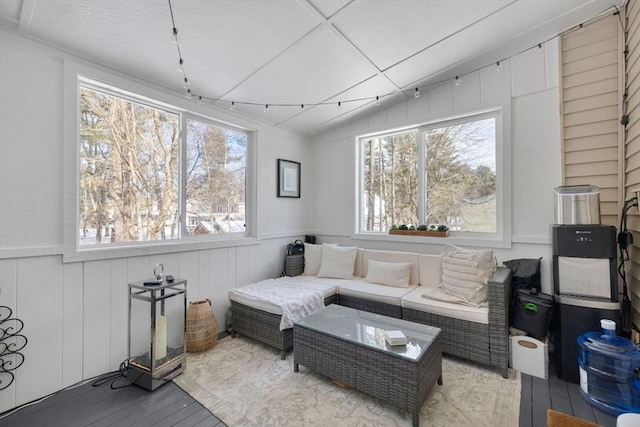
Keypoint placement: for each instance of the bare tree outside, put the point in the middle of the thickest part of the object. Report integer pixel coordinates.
(215, 179)
(128, 170)
(130, 173)
(459, 178)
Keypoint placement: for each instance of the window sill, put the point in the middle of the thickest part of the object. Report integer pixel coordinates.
(90, 254)
(451, 239)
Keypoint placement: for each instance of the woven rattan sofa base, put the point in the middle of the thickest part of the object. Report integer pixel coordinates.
(460, 338)
(401, 382)
(264, 326)
(487, 344)
(376, 307)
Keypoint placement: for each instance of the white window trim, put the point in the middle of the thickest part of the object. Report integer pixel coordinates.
(502, 237)
(72, 251)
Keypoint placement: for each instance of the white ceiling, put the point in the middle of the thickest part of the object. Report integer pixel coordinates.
(312, 52)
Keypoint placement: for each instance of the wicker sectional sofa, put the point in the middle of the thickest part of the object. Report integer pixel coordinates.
(478, 334)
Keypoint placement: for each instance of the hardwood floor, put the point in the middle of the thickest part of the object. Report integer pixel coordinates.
(169, 405)
(99, 406)
(537, 395)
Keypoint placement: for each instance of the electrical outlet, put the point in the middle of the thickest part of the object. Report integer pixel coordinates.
(636, 193)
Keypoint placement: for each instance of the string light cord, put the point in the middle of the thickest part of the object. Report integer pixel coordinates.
(409, 90)
(625, 238)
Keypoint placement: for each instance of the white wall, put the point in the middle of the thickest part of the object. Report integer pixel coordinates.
(527, 88)
(75, 314)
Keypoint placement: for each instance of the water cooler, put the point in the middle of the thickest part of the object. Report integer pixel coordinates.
(585, 281)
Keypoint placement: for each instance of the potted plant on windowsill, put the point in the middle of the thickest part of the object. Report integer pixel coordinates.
(432, 230)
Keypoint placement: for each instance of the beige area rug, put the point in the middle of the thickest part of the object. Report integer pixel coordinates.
(244, 383)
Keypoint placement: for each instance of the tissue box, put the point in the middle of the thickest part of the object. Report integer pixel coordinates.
(529, 356)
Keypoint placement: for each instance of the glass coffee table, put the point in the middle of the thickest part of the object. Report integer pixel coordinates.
(349, 346)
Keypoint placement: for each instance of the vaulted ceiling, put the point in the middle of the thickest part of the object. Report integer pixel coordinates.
(289, 53)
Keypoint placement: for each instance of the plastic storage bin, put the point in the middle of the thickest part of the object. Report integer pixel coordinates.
(609, 370)
(531, 312)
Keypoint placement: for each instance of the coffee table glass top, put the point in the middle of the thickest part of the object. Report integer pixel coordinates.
(368, 329)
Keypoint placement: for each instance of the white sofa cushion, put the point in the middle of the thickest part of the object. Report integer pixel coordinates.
(430, 270)
(415, 300)
(328, 287)
(313, 257)
(392, 256)
(374, 292)
(389, 273)
(337, 261)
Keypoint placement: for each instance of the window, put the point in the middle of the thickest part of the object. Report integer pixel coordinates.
(441, 173)
(138, 178)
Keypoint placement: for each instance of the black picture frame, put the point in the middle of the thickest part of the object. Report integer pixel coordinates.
(288, 178)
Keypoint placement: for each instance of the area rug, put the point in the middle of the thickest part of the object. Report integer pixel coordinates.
(244, 383)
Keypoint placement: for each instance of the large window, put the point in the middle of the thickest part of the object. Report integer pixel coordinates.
(444, 173)
(151, 172)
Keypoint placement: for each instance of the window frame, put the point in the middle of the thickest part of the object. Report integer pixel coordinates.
(75, 76)
(499, 239)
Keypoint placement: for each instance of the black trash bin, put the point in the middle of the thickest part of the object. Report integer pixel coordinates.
(531, 312)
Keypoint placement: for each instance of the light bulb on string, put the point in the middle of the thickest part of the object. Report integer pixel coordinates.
(416, 94)
(498, 66)
(233, 106)
(175, 35)
(339, 105)
(199, 100)
(377, 100)
(181, 66)
(580, 29)
(302, 108)
(188, 94)
(540, 47)
(186, 83)
(266, 108)
(458, 81)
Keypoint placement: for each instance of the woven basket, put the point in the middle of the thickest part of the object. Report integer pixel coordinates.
(201, 327)
(293, 265)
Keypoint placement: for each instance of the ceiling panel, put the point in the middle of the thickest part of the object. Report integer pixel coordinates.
(394, 30)
(316, 68)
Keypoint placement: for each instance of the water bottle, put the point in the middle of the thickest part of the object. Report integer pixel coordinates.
(609, 370)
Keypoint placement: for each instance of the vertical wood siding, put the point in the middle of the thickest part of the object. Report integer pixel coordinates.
(632, 149)
(590, 111)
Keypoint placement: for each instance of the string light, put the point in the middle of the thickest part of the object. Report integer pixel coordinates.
(175, 35)
(416, 92)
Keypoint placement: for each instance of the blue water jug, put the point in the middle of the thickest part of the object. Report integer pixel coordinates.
(609, 370)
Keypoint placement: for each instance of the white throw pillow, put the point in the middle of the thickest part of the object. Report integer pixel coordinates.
(465, 273)
(394, 274)
(312, 257)
(337, 262)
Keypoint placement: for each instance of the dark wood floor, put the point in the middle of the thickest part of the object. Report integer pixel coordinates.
(169, 405)
(101, 405)
(538, 395)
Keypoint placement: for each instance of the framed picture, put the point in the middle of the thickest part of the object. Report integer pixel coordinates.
(288, 178)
